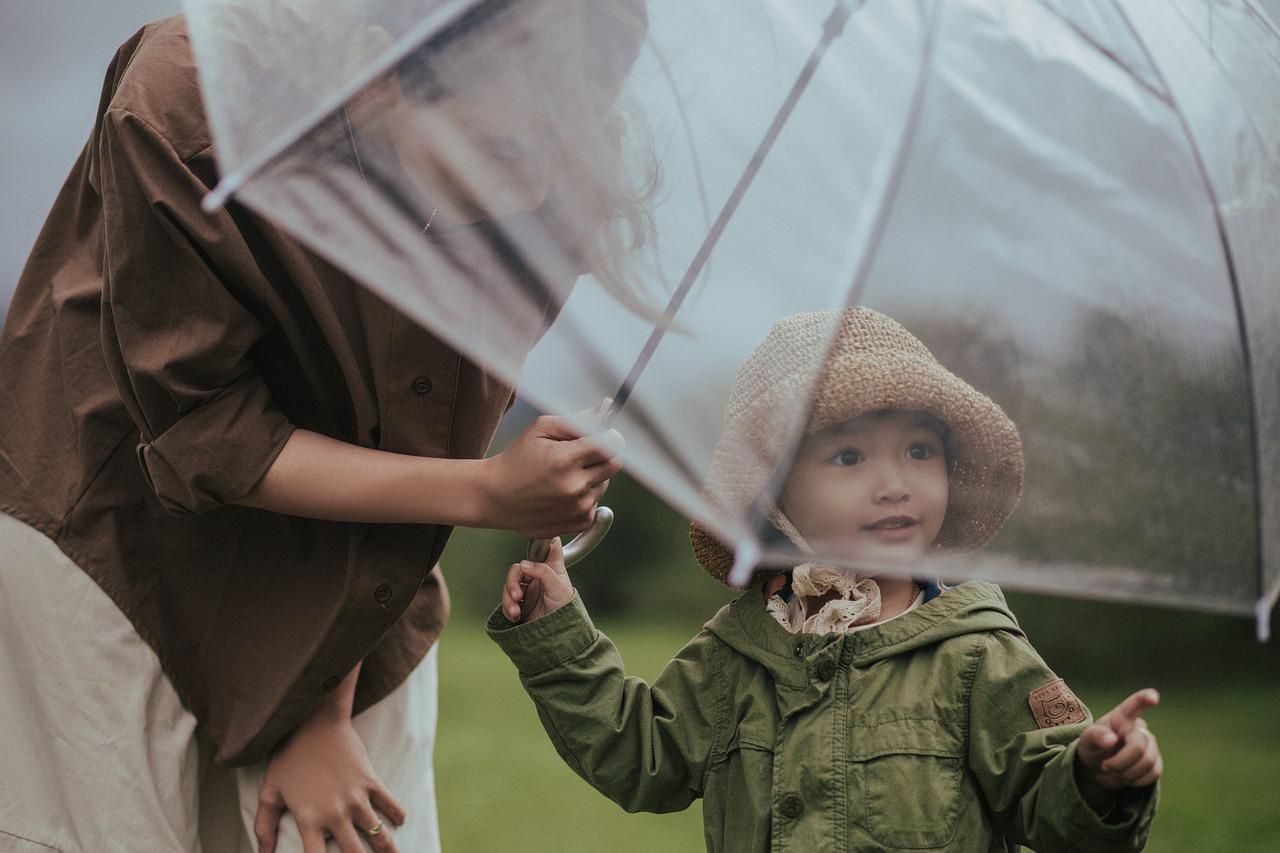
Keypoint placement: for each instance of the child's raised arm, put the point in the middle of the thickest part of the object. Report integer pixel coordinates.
(646, 747)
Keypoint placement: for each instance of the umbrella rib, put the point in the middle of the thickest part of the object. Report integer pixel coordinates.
(430, 26)
(1263, 17)
(1222, 69)
(1164, 97)
(831, 29)
(1233, 277)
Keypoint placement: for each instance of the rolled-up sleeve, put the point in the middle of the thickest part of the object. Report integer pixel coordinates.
(178, 325)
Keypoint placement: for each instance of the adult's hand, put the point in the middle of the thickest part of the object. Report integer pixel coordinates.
(323, 777)
(550, 480)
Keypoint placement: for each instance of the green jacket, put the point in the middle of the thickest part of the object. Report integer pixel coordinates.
(915, 734)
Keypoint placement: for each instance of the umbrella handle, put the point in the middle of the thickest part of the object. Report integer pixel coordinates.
(581, 545)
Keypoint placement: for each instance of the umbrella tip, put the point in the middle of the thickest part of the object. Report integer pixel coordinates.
(746, 556)
(213, 202)
(1263, 611)
(217, 198)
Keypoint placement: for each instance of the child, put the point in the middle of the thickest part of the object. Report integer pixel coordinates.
(827, 711)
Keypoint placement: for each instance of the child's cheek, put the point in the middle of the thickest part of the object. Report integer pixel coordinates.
(824, 511)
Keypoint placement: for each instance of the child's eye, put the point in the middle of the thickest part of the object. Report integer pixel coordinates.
(921, 451)
(847, 456)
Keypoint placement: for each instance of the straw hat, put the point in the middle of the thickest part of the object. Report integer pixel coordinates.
(871, 363)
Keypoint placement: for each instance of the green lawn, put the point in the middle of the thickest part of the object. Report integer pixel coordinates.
(501, 786)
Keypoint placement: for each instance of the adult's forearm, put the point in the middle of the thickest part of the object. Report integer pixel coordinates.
(316, 476)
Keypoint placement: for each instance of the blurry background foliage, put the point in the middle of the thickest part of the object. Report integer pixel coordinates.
(1138, 453)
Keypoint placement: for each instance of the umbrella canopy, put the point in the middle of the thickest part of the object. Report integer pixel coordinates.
(1072, 203)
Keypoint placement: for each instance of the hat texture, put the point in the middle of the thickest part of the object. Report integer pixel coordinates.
(842, 364)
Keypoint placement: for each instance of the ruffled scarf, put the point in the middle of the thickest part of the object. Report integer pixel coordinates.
(858, 604)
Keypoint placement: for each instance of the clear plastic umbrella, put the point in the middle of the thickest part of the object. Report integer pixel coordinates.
(1073, 203)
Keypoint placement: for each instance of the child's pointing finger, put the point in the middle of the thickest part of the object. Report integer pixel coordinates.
(1125, 716)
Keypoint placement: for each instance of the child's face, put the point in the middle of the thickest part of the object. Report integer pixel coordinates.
(874, 487)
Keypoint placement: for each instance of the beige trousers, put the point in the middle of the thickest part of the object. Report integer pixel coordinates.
(97, 755)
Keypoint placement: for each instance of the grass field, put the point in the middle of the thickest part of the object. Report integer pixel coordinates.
(502, 787)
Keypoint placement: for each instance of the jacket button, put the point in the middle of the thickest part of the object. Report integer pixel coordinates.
(791, 806)
(422, 385)
(826, 669)
(331, 682)
(382, 594)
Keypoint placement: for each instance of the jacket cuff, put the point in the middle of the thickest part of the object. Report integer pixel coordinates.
(217, 452)
(1125, 828)
(555, 639)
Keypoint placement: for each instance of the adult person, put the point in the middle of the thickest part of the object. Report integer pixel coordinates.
(227, 471)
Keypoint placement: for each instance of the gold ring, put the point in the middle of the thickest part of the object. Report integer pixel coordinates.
(375, 830)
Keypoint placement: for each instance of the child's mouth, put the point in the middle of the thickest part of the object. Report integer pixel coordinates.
(893, 528)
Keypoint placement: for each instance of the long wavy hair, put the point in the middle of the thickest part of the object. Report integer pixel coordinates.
(572, 57)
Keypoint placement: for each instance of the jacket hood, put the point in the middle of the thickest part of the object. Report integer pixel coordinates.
(747, 628)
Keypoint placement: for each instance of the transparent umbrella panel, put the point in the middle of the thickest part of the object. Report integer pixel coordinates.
(1072, 204)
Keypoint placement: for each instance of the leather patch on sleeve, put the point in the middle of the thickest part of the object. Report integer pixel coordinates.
(1055, 705)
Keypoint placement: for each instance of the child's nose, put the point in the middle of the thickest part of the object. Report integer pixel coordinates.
(891, 486)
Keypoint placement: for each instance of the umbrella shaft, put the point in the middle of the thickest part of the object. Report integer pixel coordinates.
(831, 29)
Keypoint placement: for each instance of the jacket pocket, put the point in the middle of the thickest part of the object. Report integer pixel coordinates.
(737, 796)
(909, 773)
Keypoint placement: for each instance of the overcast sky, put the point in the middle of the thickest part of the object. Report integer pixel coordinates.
(53, 54)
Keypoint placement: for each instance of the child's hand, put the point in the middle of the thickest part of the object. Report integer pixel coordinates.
(323, 777)
(1118, 751)
(533, 589)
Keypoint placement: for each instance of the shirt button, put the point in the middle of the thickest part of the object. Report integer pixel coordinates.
(826, 669)
(791, 805)
(331, 682)
(422, 385)
(382, 594)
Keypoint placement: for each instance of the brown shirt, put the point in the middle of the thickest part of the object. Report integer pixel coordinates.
(153, 364)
